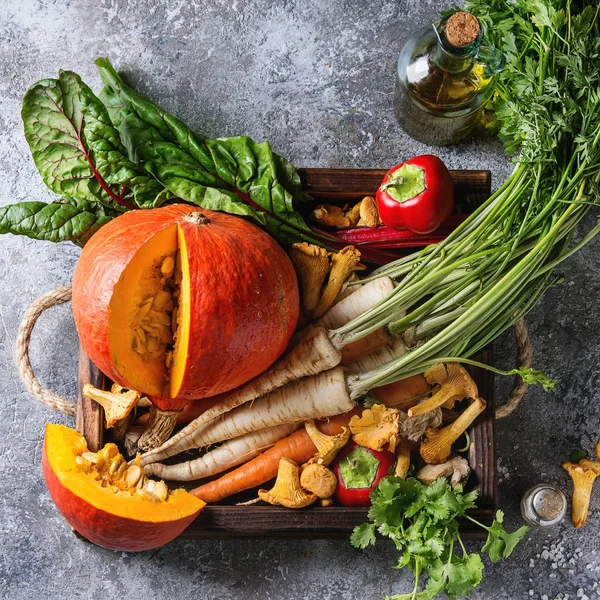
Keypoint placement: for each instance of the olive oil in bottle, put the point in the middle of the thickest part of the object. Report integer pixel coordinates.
(444, 78)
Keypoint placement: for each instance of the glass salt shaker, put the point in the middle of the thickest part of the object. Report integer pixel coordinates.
(543, 505)
(445, 76)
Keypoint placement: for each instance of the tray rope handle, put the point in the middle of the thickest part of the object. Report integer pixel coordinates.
(524, 354)
(33, 385)
(64, 405)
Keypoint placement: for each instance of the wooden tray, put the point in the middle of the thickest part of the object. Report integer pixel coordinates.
(225, 520)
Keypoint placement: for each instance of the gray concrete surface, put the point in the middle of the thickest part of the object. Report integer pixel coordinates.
(315, 78)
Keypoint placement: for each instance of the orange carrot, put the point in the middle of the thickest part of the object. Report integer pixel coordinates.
(403, 394)
(365, 346)
(297, 447)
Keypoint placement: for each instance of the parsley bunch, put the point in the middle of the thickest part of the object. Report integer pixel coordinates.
(422, 521)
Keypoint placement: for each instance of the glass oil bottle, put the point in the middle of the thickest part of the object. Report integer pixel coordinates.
(445, 76)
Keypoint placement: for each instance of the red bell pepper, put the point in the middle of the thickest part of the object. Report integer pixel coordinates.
(358, 471)
(417, 194)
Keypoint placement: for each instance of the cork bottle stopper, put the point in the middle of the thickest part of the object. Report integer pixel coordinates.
(462, 28)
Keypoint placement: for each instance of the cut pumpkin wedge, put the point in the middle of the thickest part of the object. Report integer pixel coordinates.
(109, 502)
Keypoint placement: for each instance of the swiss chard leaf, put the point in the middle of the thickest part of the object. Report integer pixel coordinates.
(62, 221)
(77, 150)
(235, 175)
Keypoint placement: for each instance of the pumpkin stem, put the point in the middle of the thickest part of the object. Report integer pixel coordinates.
(197, 218)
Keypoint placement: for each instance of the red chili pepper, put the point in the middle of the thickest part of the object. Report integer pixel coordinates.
(417, 194)
(358, 471)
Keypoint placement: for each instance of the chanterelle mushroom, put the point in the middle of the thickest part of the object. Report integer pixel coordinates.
(583, 475)
(403, 449)
(330, 216)
(343, 264)
(457, 468)
(287, 490)
(376, 427)
(354, 214)
(116, 405)
(312, 265)
(455, 383)
(438, 442)
(319, 480)
(327, 445)
(369, 213)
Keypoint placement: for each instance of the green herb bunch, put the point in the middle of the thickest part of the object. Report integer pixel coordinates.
(422, 521)
(459, 295)
(107, 154)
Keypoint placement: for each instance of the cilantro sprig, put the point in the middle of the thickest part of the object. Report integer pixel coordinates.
(422, 521)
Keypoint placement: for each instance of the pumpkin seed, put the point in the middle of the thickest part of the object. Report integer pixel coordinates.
(122, 468)
(141, 334)
(169, 359)
(160, 490)
(153, 344)
(115, 463)
(152, 328)
(132, 475)
(148, 495)
(161, 300)
(90, 457)
(161, 317)
(139, 341)
(167, 266)
(82, 462)
(142, 311)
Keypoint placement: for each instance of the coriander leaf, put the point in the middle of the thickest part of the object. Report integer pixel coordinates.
(363, 535)
(456, 576)
(500, 543)
(77, 150)
(426, 536)
(55, 222)
(465, 501)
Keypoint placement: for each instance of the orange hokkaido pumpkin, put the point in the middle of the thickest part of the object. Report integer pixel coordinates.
(181, 302)
(107, 508)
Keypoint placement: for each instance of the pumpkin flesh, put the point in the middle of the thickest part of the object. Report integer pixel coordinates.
(103, 507)
(129, 315)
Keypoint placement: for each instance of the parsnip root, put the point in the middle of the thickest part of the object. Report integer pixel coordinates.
(229, 454)
(317, 397)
